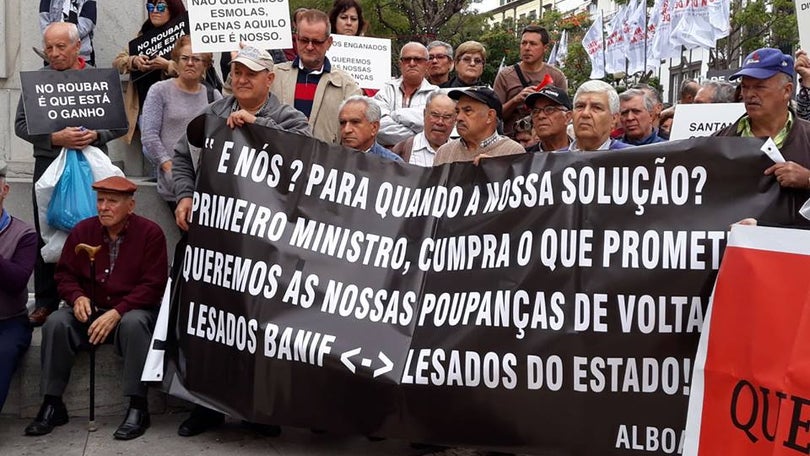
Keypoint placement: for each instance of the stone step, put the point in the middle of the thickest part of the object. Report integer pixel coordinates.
(24, 396)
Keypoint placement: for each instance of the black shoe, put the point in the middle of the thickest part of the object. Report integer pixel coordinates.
(201, 420)
(267, 430)
(48, 417)
(134, 425)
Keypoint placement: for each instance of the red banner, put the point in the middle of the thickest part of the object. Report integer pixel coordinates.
(751, 391)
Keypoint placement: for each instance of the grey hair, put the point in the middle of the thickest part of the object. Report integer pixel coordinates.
(597, 86)
(723, 92)
(413, 43)
(433, 95)
(437, 43)
(629, 94)
(373, 112)
(73, 31)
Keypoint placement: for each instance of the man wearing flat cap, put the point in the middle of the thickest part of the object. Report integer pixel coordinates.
(767, 88)
(118, 305)
(550, 109)
(478, 113)
(18, 252)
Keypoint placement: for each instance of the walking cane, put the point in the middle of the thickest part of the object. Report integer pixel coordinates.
(91, 255)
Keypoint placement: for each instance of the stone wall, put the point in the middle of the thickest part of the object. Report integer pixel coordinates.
(118, 22)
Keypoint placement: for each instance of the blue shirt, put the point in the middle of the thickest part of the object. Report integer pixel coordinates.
(381, 151)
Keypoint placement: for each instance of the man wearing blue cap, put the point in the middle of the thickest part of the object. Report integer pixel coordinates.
(767, 88)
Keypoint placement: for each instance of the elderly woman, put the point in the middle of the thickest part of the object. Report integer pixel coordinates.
(471, 56)
(169, 107)
(146, 70)
(346, 18)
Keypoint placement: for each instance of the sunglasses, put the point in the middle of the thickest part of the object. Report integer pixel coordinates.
(412, 59)
(160, 7)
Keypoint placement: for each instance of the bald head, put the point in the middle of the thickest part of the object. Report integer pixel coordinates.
(61, 43)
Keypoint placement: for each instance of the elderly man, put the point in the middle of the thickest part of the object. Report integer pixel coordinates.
(478, 112)
(767, 88)
(114, 302)
(689, 88)
(440, 117)
(551, 114)
(715, 92)
(18, 252)
(514, 83)
(403, 99)
(62, 43)
(359, 119)
(252, 75)
(440, 62)
(309, 82)
(637, 112)
(596, 112)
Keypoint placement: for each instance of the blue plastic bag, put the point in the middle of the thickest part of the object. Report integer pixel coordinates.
(73, 198)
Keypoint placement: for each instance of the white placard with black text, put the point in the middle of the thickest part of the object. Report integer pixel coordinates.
(220, 25)
(368, 60)
(803, 18)
(696, 120)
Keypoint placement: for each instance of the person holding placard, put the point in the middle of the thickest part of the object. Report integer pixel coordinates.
(310, 83)
(62, 44)
(252, 75)
(145, 70)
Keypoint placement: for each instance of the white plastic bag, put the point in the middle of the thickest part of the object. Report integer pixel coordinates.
(101, 167)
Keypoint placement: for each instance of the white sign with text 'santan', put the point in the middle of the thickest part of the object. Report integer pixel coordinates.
(695, 120)
(220, 25)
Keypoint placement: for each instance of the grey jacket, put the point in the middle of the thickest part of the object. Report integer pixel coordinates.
(274, 114)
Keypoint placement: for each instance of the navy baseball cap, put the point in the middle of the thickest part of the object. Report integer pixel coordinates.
(553, 93)
(764, 63)
(480, 93)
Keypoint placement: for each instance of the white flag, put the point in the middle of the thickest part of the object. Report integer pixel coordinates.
(637, 41)
(699, 24)
(615, 44)
(594, 46)
(552, 56)
(660, 47)
(562, 50)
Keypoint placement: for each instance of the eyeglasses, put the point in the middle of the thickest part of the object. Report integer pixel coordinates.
(159, 7)
(443, 118)
(547, 110)
(472, 60)
(433, 57)
(304, 41)
(412, 59)
(193, 58)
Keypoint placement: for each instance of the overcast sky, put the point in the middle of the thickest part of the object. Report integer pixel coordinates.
(486, 5)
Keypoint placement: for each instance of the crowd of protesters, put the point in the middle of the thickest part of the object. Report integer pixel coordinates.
(437, 111)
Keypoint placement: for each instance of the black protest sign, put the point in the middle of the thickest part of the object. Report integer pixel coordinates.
(159, 41)
(89, 98)
(540, 303)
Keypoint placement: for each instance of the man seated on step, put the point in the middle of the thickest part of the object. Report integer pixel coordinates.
(18, 252)
(118, 304)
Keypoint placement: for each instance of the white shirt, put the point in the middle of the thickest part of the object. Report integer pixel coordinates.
(422, 154)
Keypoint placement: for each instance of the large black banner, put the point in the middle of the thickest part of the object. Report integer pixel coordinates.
(545, 303)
